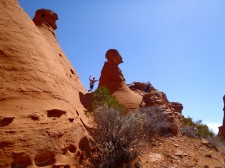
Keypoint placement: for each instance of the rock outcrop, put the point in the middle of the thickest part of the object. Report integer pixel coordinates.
(140, 86)
(41, 116)
(113, 79)
(171, 110)
(178, 107)
(134, 96)
(45, 17)
(222, 128)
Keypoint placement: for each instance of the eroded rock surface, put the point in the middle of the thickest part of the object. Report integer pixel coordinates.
(47, 17)
(171, 110)
(39, 92)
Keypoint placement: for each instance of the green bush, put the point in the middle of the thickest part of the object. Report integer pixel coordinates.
(199, 130)
(196, 129)
(102, 97)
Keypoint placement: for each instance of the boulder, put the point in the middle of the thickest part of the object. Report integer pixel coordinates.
(47, 17)
(140, 86)
(177, 106)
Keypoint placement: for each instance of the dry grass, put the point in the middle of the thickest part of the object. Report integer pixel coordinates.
(119, 137)
(155, 122)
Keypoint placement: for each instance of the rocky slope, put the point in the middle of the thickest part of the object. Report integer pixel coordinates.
(170, 110)
(41, 115)
(181, 152)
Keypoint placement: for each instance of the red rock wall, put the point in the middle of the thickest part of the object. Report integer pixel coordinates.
(41, 115)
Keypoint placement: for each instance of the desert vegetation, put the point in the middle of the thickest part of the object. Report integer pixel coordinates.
(196, 129)
(119, 137)
(102, 97)
(156, 123)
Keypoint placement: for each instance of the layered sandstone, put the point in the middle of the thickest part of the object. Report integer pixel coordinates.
(41, 115)
(222, 128)
(171, 110)
(113, 79)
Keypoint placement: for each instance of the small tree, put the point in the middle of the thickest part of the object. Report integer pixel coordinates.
(102, 97)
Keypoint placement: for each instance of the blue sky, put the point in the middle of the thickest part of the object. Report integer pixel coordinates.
(178, 46)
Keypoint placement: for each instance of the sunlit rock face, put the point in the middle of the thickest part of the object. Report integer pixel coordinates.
(113, 79)
(222, 128)
(134, 96)
(41, 116)
(171, 111)
(47, 17)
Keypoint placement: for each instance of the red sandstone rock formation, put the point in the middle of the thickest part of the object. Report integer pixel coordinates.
(41, 116)
(140, 86)
(171, 110)
(45, 17)
(222, 128)
(113, 79)
(132, 97)
(178, 107)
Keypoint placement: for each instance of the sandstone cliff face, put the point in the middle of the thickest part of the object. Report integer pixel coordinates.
(41, 116)
(113, 79)
(222, 128)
